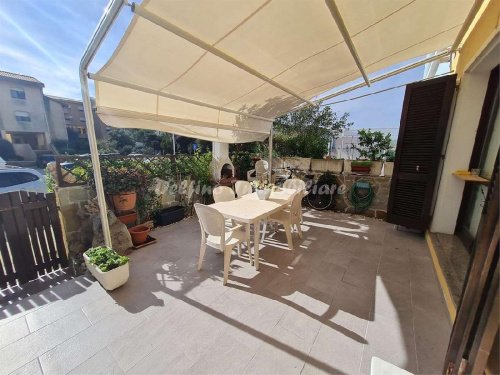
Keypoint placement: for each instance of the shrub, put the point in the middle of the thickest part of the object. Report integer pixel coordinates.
(118, 180)
(242, 161)
(50, 182)
(105, 258)
(373, 145)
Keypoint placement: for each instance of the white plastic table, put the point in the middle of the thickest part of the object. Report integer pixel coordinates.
(250, 210)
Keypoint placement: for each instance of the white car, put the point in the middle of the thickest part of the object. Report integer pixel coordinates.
(16, 179)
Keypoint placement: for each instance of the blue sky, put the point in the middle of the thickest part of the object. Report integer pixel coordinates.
(46, 39)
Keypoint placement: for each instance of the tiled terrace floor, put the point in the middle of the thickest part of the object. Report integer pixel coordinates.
(353, 288)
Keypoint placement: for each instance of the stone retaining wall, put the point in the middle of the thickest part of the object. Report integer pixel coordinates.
(82, 228)
(71, 201)
(381, 187)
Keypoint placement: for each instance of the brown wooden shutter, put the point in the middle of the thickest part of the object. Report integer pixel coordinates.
(426, 110)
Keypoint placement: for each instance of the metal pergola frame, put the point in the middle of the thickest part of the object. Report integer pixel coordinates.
(106, 22)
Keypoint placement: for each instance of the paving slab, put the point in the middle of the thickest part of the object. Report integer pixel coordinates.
(353, 289)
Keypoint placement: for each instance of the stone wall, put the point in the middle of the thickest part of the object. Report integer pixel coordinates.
(381, 187)
(82, 225)
(71, 202)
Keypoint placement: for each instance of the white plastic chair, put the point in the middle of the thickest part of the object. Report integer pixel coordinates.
(223, 194)
(261, 169)
(216, 235)
(242, 188)
(294, 183)
(290, 217)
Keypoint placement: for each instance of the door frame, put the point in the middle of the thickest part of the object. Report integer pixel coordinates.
(482, 132)
(477, 304)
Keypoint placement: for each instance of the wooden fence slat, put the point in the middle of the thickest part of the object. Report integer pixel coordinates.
(7, 262)
(39, 230)
(28, 215)
(17, 235)
(44, 213)
(27, 249)
(30, 228)
(57, 228)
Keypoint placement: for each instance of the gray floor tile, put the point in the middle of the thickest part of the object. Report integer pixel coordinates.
(333, 352)
(37, 343)
(101, 363)
(353, 288)
(13, 331)
(30, 368)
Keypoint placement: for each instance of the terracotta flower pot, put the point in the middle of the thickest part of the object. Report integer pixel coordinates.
(360, 169)
(125, 201)
(139, 234)
(128, 219)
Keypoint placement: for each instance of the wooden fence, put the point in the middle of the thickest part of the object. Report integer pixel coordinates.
(31, 239)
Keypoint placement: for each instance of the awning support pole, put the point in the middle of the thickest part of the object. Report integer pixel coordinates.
(140, 11)
(174, 97)
(465, 26)
(109, 16)
(271, 134)
(385, 75)
(334, 10)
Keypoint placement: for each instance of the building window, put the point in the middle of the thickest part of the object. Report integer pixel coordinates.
(22, 116)
(80, 108)
(82, 119)
(17, 94)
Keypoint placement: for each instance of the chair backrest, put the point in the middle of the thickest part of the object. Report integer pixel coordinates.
(294, 183)
(211, 220)
(261, 166)
(223, 194)
(296, 205)
(242, 188)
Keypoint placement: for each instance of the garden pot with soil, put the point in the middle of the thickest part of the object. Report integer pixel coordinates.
(124, 201)
(139, 234)
(107, 266)
(361, 166)
(129, 219)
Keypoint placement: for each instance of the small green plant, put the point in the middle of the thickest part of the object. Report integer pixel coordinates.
(361, 163)
(50, 182)
(119, 180)
(105, 258)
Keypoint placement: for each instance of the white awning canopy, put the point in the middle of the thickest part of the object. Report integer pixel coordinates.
(223, 70)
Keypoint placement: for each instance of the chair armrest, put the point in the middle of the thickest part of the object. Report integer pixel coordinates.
(249, 175)
(239, 226)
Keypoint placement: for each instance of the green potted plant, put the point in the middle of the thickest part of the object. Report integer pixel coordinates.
(361, 166)
(121, 184)
(107, 266)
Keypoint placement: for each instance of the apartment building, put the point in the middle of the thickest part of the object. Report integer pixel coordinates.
(29, 120)
(74, 117)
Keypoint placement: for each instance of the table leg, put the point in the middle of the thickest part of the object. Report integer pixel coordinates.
(249, 243)
(256, 244)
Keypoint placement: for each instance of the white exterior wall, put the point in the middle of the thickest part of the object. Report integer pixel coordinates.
(458, 153)
(462, 136)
